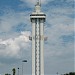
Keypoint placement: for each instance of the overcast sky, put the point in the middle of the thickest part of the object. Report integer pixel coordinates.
(15, 27)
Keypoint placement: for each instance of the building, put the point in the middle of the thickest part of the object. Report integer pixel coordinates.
(37, 19)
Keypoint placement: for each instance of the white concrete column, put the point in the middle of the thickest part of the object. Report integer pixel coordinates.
(33, 47)
(37, 48)
(42, 46)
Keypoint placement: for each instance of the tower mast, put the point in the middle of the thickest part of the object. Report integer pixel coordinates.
(40, 2)
(37, 19)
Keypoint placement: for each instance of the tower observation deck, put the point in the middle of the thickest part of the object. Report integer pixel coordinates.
(37, 19)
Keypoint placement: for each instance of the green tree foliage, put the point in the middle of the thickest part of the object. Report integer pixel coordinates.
(70, 73)
(14, 71)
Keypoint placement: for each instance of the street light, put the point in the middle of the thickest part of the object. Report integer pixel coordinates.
(24, 61)
(57, 73)
(18, 71)
(22, 65)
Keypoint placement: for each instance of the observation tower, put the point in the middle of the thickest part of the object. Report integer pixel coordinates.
(37, 19)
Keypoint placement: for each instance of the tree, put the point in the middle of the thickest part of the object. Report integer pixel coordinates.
(70, 73)
(14, 71)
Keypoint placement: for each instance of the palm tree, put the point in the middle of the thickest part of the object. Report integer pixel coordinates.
(14, 71)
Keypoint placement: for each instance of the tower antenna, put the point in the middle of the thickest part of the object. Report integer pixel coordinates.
(40, 2)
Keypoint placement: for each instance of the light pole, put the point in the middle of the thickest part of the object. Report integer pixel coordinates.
(18, 71)
(22, 65)
(57, 73)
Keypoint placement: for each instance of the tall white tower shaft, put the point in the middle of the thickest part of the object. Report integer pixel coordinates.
(37, 20)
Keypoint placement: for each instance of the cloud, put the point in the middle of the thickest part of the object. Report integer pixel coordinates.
(43, 1)
(59, 28)
(59, 23)
(12, 46)
(11, 20)
(34, 1)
